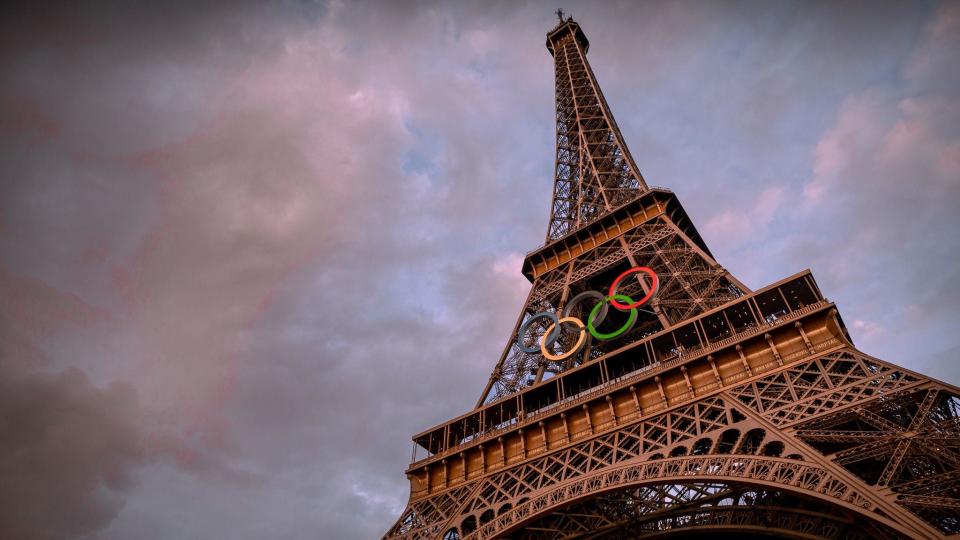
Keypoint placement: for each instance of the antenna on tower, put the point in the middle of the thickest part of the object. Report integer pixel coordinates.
(560, 14)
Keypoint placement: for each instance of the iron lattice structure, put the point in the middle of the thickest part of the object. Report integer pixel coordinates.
(723, 409)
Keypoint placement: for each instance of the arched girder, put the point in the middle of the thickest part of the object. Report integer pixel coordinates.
(790, 476)
(685, 509)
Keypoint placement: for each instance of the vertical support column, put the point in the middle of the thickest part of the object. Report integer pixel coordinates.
(427, 470)
(773, 347)
(543, 433)
(503, 452)
(523, 444)
(785, 302)
(806, 341)
(686, 377)
(716, 372)
(701, 332)
(663, 395)
(743, 360)
(483, 459)
(752, 301)
(566, 428)
(463, 464)
(754, 311)
(613, 410)
(651, 354)
(733, 331)
(813, 290)
(586, 414)
(636, 401)
(446, 482)
(738, 444)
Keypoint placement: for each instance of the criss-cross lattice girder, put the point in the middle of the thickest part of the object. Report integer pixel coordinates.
(594, 171)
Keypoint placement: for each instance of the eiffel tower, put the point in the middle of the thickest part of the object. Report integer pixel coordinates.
(707, 408)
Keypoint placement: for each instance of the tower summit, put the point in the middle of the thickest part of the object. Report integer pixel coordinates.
(594, 172)
(645, 391)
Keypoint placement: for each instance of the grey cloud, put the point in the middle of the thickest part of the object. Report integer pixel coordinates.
(300, 224)
(68, 454)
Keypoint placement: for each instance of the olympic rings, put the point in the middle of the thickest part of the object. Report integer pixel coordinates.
(576, 348)
(597, 315)
(623, 329)
(596, 295)
(654, 286)
(549, 337)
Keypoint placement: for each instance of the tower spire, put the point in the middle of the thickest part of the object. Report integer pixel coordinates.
(594, 172)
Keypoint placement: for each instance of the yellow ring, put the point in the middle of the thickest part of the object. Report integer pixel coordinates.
(576, 347)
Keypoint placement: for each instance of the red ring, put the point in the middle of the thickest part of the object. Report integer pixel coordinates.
(642, 301)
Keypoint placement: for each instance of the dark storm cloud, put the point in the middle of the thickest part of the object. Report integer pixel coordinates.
(253, 248)
(68, 453)
(69, 449)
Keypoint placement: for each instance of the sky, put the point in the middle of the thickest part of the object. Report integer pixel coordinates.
(248, 250)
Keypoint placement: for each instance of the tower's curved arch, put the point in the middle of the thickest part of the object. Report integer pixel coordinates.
(700, 509)
(799, 479)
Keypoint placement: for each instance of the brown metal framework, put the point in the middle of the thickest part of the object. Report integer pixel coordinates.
(724, 410)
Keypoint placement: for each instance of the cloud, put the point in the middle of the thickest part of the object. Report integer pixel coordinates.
(736, 227)
(866, 328)
(68, 454)
(68, 449)
(883, 191)
(274, 264)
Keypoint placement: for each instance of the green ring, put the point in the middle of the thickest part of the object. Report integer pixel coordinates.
(623, 329)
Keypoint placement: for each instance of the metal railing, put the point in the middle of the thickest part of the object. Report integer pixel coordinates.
(635, 376)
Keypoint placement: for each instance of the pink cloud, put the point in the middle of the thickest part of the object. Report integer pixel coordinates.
(732, 228)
